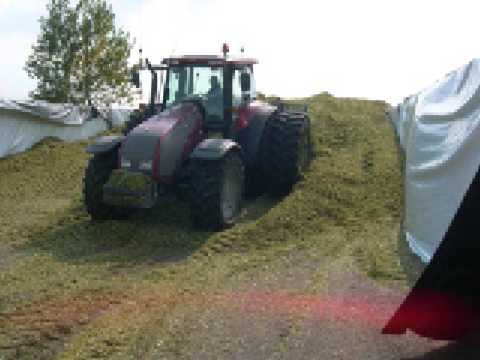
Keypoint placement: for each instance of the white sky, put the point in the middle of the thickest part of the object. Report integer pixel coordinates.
(370, 49)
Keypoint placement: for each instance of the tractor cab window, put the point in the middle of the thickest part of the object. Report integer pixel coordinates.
(236, 89)
(201, 83)
(237, 95)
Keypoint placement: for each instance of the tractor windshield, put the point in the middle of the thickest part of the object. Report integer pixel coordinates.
(203, 83)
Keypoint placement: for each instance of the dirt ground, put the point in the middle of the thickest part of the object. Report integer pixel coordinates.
(273, 315)
(276, 312)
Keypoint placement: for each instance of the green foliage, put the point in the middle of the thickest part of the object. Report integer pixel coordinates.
(80, 55)
(52, 57)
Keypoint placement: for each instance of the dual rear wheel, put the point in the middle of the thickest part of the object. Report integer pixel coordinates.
(288, 151)
(217, 187)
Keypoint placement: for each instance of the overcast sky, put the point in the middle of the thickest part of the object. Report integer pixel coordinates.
(370, 49)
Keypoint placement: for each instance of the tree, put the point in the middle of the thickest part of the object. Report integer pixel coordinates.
(80, 56)
(52, 57)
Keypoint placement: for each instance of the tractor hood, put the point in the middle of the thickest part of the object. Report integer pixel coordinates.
(160, 144)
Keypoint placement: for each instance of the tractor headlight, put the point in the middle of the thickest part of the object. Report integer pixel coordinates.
(124, 163)
(145, 165)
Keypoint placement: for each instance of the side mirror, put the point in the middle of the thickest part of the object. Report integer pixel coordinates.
(136, 78)
(245, 82)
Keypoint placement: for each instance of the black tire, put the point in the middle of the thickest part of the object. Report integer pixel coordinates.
(289, 150)
(216, 189)
(96, 175)
(255, 184)
(256, 178)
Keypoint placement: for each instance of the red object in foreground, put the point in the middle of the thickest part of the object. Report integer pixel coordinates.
(434, 315)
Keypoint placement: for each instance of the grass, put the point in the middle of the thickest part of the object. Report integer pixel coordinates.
(72, 289)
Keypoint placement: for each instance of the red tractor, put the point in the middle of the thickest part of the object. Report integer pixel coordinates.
(209, 141)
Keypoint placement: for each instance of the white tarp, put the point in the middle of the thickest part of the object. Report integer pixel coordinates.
(439, 129)
(24, 123)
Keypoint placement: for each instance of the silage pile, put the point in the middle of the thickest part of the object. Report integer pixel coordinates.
(355, 181)
(354, 184)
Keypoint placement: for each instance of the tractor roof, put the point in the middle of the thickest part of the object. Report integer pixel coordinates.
(208, 60)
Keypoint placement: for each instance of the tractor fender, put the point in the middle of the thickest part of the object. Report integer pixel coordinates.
(250, 138)
(214, 149)
(104, 144)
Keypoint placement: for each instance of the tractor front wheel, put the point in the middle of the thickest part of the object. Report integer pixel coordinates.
(216, 189)
(96, 175)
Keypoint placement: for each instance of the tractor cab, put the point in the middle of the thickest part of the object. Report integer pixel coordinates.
(220, 86)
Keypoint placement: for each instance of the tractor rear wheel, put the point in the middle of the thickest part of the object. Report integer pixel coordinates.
(216, 189)
(96, 175)
(289, 150)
